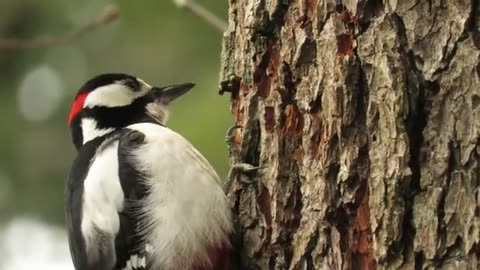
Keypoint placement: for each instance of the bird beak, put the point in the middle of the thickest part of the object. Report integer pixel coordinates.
(169, 93)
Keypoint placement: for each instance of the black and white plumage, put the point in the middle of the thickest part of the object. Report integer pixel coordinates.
(139, 195)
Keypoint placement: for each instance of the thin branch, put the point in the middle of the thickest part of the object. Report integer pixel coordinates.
(203, 13)
(110, 13)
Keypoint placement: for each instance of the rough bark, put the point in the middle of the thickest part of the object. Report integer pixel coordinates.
(366, 114)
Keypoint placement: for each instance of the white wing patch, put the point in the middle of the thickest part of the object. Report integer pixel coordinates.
(186, 209)
(103, 197)
(137, 261)
(128, 266)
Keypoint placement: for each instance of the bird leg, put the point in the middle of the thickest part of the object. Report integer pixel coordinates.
(244, 171)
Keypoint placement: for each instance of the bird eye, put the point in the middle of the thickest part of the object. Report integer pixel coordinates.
(133, 85)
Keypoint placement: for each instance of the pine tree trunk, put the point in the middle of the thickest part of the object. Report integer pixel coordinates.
(367, 117)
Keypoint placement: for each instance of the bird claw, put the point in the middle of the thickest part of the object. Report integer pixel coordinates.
(246, 172)
(246, 168)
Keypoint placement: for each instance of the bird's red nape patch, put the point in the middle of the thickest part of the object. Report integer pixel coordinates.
(77, 105)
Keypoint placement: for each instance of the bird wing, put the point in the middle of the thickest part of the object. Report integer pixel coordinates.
(100, 208)
(129, 244)
(73, 204)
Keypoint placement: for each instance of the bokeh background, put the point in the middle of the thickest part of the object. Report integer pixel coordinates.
(153, 40)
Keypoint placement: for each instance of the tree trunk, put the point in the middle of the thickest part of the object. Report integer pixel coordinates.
(367, 117)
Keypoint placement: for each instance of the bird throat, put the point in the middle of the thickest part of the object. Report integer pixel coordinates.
(158, 112)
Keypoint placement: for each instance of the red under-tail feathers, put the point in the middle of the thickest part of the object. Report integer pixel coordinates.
(219, 256)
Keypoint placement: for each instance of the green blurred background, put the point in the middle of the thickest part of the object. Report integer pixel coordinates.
(153, 40)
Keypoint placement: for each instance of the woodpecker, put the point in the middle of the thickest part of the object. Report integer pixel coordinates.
(139, 195)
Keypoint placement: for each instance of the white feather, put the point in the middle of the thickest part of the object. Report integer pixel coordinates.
(148, 248)
(113, 95)
(142, 262)
(186, 208)
(90, 130)
(128, 266)
(102, 197)
(134, 260)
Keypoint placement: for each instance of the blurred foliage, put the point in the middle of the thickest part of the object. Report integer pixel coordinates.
(153, 40)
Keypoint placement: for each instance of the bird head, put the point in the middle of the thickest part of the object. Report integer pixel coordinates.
(113, 101)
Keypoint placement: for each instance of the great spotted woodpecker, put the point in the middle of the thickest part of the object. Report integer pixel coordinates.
(139, 195)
